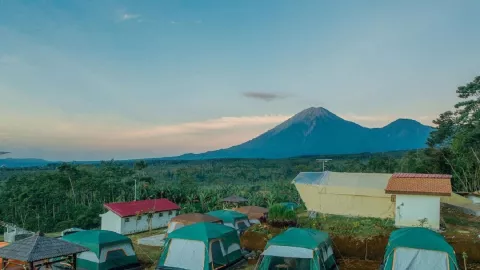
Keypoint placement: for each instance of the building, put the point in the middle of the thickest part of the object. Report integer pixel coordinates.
(138, 216)
(349, 194)
(417, 198)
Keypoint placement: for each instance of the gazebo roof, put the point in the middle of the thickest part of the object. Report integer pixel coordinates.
(38, 248)
(235, 199)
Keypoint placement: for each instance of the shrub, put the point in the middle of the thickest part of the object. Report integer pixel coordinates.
(280, 214)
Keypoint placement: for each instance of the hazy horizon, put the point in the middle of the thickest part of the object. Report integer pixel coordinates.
(83, 80)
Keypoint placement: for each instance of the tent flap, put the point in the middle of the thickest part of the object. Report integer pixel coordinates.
(418, 259)
(180, 249)
(288, 252)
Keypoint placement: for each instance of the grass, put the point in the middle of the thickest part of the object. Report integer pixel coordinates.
(147, 255)
(362, 227)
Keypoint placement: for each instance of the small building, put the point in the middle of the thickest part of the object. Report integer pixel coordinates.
(138, 216)
(14, 233)
(39, 252)
(347, 194)
(417, 198)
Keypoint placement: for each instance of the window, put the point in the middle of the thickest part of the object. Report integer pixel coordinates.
(170, 213)
(139, 217)
(127, 219)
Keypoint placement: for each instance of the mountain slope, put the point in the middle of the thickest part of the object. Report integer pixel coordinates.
(317, 131)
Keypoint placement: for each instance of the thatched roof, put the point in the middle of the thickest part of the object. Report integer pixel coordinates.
(38, 248)
(235, 199)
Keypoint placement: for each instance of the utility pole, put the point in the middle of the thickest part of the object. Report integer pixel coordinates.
(135, 189)
(324, 160)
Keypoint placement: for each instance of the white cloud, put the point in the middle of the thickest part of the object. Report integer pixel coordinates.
(210, 125)
(129, 16)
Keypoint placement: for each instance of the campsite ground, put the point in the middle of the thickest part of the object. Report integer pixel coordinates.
(359, 243)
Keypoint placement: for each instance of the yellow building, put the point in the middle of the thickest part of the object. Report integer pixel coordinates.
(348, 194)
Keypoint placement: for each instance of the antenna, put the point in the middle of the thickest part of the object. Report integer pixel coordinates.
(324, 160)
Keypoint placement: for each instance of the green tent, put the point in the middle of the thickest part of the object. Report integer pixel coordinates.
(207, 246)
(230, 218)
(108, 250)
(418, 248)
(302, 249)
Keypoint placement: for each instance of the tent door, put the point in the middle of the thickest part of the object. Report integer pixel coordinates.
(179, 249)
(217, 254)
(419, 259)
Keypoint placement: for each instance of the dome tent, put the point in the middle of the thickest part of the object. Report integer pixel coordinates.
(307, 249)
(108, 250)
(418, 249)
(234, 219)
(207, 246)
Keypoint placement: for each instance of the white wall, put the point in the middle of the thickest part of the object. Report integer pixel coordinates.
(131, 225)
(412, 208)
(111, 222)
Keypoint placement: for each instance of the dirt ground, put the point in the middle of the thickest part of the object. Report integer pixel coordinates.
(354, 251)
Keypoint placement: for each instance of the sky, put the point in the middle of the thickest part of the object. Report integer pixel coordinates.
(89, 80)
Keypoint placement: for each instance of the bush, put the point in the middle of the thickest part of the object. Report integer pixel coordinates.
(280, 215)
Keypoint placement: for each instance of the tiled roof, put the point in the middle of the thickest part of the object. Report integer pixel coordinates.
(37, 248)
(128, 209)
(421, 175)
(419, 184)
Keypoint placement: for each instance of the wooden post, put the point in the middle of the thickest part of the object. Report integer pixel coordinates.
(31, 266)
(4, 263)
(74, 262)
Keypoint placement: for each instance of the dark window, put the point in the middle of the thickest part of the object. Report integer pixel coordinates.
(139, 217)
(115, 254)
(127, 219)
(170, 213)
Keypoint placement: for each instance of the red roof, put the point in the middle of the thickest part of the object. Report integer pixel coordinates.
(128, 209)
(421, 175)
(420, 184)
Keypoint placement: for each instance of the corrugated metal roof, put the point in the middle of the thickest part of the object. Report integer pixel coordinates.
(128, 209)
(353, 180)
(310, 178)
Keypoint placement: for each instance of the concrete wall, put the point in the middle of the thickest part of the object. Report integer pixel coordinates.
(111, 222)
(410, 209)
(142, 223)
(474, 199)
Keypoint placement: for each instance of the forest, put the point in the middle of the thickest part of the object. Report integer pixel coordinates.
(60, 196)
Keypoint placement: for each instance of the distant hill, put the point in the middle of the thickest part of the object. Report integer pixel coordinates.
(317, 131)
(23, 162)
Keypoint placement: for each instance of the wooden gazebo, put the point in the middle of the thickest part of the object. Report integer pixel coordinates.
(235, 200)
(37, 251)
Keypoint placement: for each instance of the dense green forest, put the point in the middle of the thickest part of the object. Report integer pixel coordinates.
(60, 196)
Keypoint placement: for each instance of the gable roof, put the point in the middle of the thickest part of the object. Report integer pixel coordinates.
(419, 184)
(128, 209)
(37, 248)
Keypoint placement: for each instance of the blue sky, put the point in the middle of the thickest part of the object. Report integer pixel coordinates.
(129, 79)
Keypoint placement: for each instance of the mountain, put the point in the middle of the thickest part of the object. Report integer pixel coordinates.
(317, 131)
